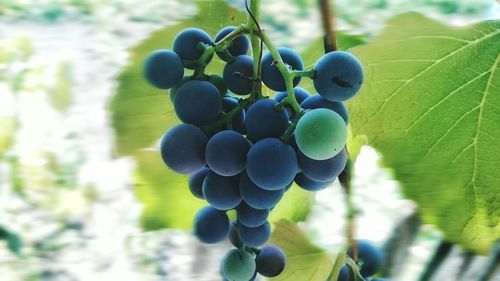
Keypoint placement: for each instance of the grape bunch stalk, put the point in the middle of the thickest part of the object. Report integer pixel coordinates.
(244, 150)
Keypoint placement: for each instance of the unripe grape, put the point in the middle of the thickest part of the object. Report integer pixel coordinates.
(321, 134)
(238, 265)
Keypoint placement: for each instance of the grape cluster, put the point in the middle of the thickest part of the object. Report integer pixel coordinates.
(243, 151)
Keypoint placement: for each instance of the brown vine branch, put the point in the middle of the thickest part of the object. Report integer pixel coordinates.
(330, 44)
(327, 20)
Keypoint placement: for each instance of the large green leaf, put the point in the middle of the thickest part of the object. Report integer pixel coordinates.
(431, 106)
(305, 261)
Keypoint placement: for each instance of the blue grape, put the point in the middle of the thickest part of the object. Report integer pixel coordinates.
(198, 103)
(270, 261)
(163, 69)
(183, 148)
(228, 104)
(272, 77)
(317, 101)
(371, 256)
(254, 236)
(263, 120)
(339, 76)
(257, 197)
(196, 182)
(239, 46)
(251, 217)
(238, 75)
(238, 265)
(309, 184)
(322, 170)
(186, 44)
(211, 225)
(271, 164)
(234, 237)
(226, 153)
(300, 95)
(221, 192)
(344, 273)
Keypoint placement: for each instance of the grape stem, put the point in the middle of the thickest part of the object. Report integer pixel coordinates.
(311, 73)
(345, 178)
(209, 50)
(226, 119)
(287, 74)
(291, 129)
(254, 30)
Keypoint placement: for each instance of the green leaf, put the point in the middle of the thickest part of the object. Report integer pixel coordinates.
(305, 261)
(431, 106)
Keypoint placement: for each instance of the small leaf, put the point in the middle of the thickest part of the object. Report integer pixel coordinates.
(431, 106)
(304, 260)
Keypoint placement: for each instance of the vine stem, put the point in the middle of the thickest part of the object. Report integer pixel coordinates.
(327, 16)
(345, 178)
(254, 30)
(209, 50)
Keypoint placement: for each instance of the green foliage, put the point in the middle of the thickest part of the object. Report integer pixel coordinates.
(431, 106)
(305, 261)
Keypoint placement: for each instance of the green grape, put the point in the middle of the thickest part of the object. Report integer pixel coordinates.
(238, 265)
(321, 134)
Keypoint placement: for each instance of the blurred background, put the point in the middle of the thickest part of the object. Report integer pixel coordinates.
(67, 205)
